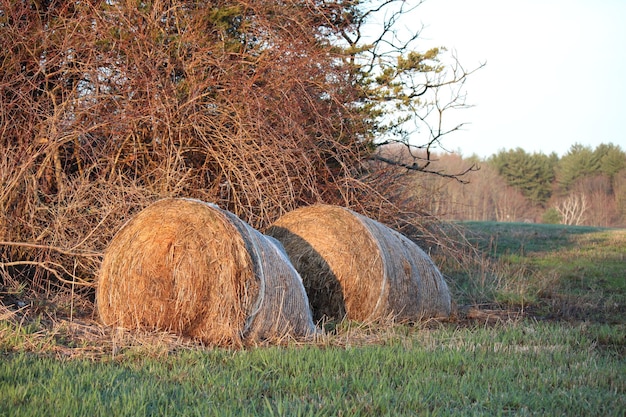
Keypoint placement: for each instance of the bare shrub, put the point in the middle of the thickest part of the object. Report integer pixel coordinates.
(109, 106)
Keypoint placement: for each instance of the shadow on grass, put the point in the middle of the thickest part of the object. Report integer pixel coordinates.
(499, 239)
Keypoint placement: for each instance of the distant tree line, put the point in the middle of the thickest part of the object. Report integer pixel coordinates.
(584, 186)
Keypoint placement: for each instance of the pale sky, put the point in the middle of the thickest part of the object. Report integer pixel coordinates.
(555, 73)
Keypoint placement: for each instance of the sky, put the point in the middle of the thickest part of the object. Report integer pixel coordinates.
(555, 72)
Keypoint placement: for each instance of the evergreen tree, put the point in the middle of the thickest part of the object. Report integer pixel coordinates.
(612, 159)
(532, 174)
(578, 162)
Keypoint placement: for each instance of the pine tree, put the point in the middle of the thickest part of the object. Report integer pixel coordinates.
(532, 174)
(612, 159)
(578, 162)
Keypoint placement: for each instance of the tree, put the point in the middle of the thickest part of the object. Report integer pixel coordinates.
(598, 191)
(578, 162)
(405, 93)
(591, 174)
(551, 216)
(532, 174)
(484, 196)
(619, 184)
(573, 209)
(612, 159)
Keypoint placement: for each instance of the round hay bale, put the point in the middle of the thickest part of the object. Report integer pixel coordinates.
(188, 267)
(355, 267)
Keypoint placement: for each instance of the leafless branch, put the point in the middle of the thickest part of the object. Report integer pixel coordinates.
(415, 166)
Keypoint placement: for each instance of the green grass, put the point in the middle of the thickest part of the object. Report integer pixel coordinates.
(553, 271)
(524, 238)
(521, 369)
(561, 352)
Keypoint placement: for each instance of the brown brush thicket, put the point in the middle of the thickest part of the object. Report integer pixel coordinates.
(108, 106)
(190, 268)
(356, 267)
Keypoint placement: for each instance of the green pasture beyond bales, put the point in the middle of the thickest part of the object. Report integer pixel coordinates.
(540, 330)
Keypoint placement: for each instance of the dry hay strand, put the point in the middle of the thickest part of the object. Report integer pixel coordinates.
(191, 268)
(355, 267)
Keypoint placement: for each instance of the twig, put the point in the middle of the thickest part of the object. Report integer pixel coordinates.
(54, 248)
(75, 280)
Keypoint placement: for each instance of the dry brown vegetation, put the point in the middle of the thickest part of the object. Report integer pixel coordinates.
(108, 106)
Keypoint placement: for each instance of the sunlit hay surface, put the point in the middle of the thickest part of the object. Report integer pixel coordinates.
(190, 268)
(356, 267)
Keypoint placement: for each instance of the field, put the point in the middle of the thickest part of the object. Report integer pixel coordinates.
(540, 329)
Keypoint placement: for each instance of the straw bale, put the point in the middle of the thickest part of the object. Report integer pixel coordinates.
(355, 267)
(188, 267)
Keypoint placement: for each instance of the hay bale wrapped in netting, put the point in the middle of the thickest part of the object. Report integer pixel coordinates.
(356, 267)
(188, 267)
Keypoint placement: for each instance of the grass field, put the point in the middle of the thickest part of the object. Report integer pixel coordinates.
(540, 330)
(550, 271)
